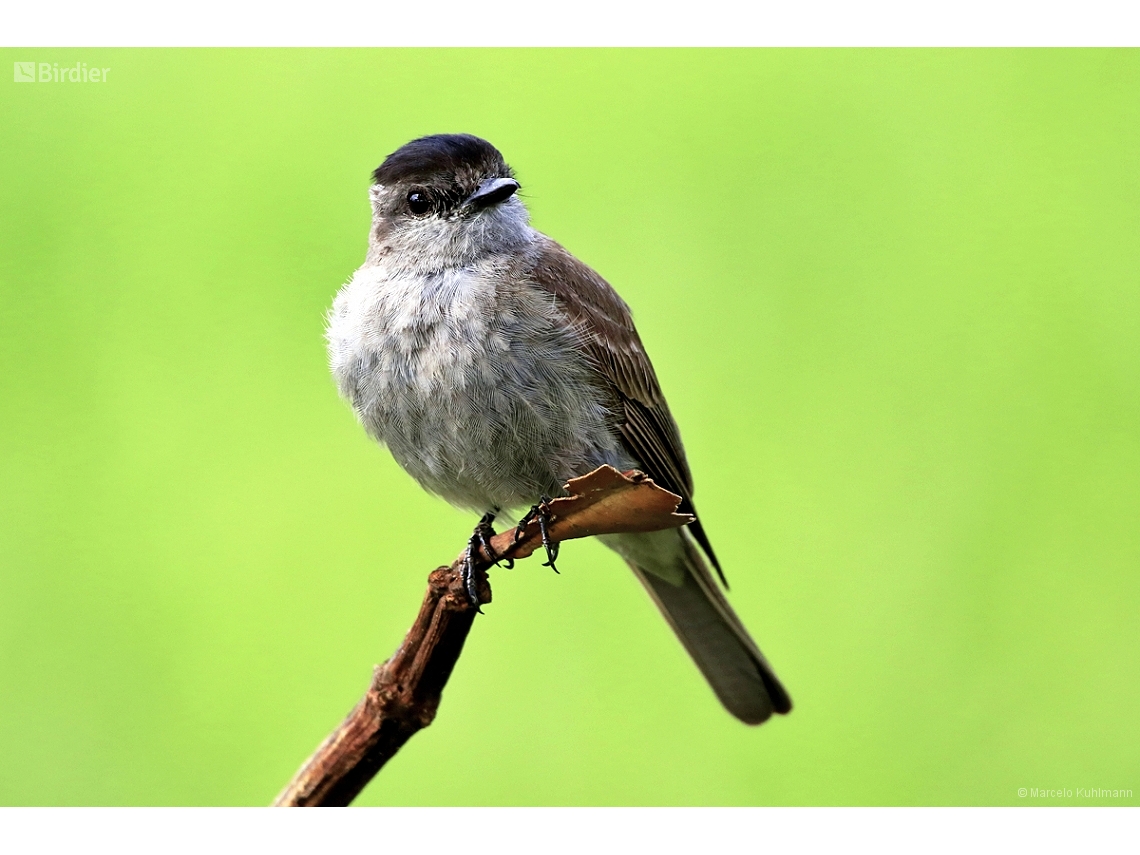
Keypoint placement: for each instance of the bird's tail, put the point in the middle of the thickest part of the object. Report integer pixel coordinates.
(677, 577)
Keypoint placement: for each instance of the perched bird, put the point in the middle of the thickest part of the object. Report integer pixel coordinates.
(496, 366)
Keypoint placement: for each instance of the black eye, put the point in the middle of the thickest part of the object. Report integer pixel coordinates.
(418, 203)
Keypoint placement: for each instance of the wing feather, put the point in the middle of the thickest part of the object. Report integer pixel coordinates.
(605, 325)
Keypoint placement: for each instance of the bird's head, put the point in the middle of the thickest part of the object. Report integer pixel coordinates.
(443, 201)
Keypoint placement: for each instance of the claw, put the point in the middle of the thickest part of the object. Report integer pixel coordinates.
(468, 573)
(540, 513)
(484, 532)
(480, 538)
(520, 529)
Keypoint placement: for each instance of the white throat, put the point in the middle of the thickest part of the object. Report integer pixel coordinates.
(435, 244)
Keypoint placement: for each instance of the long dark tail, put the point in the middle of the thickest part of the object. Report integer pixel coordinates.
(677, 577)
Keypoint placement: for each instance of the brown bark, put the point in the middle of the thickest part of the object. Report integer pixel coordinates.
(405, 691)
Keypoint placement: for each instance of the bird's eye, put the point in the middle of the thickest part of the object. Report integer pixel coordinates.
(418, 203)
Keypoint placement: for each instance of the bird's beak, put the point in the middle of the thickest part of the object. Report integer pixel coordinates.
(491, 192)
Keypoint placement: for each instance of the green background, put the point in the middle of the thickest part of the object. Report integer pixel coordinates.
(892, 295)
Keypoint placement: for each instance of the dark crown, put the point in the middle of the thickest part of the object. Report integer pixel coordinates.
(457, 156)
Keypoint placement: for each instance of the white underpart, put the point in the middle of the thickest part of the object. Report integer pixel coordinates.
(465, 369)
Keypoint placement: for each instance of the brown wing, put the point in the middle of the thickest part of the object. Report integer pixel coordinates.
(606, 328)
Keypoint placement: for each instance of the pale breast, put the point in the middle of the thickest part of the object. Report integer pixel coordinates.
(473, 381)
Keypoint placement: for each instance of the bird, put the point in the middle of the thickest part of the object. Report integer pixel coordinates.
(495, 366)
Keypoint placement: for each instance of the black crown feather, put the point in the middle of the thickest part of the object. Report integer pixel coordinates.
(453, 155)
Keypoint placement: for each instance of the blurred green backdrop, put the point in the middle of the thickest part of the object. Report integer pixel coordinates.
(892, 295)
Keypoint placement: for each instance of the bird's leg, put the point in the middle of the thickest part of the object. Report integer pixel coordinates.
(486, 532)
(542, 514)
(480, 538)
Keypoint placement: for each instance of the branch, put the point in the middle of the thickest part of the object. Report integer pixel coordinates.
(405, 690)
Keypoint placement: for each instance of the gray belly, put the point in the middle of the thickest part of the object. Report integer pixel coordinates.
(483, 397)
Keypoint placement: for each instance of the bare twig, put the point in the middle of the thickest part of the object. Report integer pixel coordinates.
(405, 690)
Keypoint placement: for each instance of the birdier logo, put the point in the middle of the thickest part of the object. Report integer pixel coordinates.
(53, 72)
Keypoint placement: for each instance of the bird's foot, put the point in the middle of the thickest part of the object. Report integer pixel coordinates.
(540, 512)
(480, 539)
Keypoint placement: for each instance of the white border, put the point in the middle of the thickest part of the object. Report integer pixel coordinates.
(552, 831)
(610, 23)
